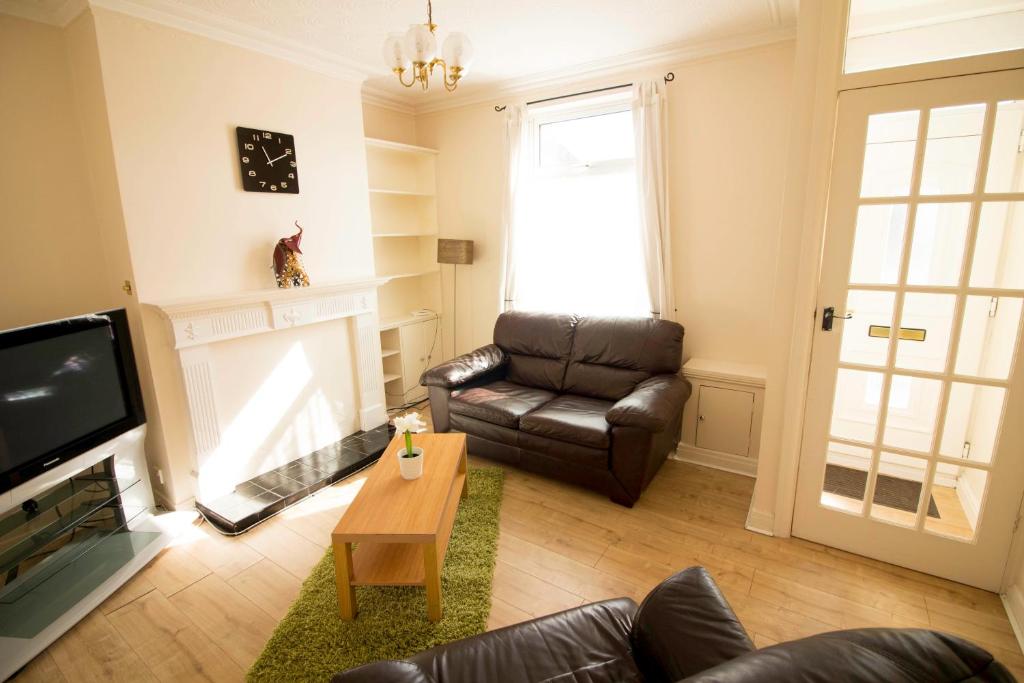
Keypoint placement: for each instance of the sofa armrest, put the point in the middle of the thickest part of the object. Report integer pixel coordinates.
(465, 368)
(389, 670)
(653, 405)
(685, 626)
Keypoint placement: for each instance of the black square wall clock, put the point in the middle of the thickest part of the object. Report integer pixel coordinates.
(267, 160)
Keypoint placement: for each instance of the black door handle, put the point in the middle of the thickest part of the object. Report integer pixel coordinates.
(828, 315)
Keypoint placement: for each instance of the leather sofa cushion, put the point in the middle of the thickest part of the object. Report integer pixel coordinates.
(576, 419)
(864, 656)
(610, 356)
(538, 346)
(588, 644)
(501, 403)
(569, 455)
(485, 430)
(685, 626)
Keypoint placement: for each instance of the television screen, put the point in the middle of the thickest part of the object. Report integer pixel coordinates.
(64, 388)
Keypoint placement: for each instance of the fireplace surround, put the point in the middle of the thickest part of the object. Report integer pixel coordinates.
(195, 324)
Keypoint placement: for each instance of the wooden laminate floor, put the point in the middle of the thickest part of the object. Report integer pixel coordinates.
(204, 608)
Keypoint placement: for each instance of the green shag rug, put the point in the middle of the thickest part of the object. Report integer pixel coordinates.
(312, 643)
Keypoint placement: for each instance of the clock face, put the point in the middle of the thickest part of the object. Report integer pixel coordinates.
(267, 160)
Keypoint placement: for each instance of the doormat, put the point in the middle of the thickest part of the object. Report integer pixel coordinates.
(892, 492)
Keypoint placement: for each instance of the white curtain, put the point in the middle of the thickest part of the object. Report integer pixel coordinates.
(516, 158)
(650, 127)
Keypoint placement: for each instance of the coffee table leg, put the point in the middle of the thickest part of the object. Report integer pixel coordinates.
(464, 469)
(432, 581)
(343, 575)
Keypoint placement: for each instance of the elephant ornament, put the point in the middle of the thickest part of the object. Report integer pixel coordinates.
(288, 268)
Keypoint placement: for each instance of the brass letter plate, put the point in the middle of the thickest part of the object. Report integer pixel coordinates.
(908, 333)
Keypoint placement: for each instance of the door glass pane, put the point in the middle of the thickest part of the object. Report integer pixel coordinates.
(862, 342)
(999, 251)
(898, 485)
(913, 403)
(924, 331)
(1004, 171)
(878, 244)
(958, 493)
(889, 154)
(951, 152)
(855, 409)
(972, 422)
(988, 336)
(938, 246)
(846, 473)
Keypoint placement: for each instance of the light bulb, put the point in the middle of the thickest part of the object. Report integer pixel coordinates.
(419, 44)
(457, 51)
(394, 57)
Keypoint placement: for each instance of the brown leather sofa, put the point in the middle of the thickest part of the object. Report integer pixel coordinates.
(593, 401)
(683, 631)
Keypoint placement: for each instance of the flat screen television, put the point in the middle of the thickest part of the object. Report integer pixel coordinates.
(65, 387)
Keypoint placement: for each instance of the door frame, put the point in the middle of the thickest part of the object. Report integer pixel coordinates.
(818, 78)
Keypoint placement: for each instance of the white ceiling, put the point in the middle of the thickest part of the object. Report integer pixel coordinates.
(513, 39)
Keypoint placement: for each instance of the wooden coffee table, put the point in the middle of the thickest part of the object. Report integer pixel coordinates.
(402, 527)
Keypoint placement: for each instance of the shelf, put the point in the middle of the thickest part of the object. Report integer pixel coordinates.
(406, 193)
(37, 610)
(417, 273)
(387, 353)
(81, 497)
(391, 146)
(390, 378)
(403, 234)
(392, 322)
(57, 559)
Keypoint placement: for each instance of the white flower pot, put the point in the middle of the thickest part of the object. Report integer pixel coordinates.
(411, 468)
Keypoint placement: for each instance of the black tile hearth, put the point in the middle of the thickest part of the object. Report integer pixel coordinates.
(254, 500)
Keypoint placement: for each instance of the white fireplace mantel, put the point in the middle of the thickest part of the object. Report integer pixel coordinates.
(196, 323)
(203, 320)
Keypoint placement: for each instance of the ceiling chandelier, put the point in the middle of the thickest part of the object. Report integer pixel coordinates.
(417, 49)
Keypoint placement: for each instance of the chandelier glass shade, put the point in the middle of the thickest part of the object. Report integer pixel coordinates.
(416, 51)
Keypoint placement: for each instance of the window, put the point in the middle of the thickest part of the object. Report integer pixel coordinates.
(578, 248)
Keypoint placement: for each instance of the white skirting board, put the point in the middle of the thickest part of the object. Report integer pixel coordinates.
(720, 461)
(760, 522)
(1013, 602)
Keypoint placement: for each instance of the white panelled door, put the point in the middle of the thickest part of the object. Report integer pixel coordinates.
(913, 445)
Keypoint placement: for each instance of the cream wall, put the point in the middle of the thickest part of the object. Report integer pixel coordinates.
(387, 124)
(54, 264)
(173, 101)
(727, 137)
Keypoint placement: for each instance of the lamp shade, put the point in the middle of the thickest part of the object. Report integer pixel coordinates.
(459, 252)
(419, 44)
(394, 57)
(457, 51)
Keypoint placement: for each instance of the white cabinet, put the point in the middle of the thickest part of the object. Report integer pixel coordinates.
(722, 419)
(408, 346)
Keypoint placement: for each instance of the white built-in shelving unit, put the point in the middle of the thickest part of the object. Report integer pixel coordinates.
(403, 216)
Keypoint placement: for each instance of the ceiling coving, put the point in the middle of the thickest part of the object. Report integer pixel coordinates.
(417, 49)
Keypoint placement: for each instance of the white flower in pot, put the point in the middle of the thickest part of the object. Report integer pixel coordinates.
(410, 460)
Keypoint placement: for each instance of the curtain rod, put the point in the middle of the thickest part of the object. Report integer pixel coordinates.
(669, 77)
(577, 94)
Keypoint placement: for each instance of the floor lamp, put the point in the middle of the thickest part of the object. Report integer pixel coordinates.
(455, 252)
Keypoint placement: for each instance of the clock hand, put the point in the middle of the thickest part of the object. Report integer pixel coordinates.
(265, 154)
(271, 162)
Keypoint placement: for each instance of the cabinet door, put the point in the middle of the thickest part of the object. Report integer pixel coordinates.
(724, 418)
